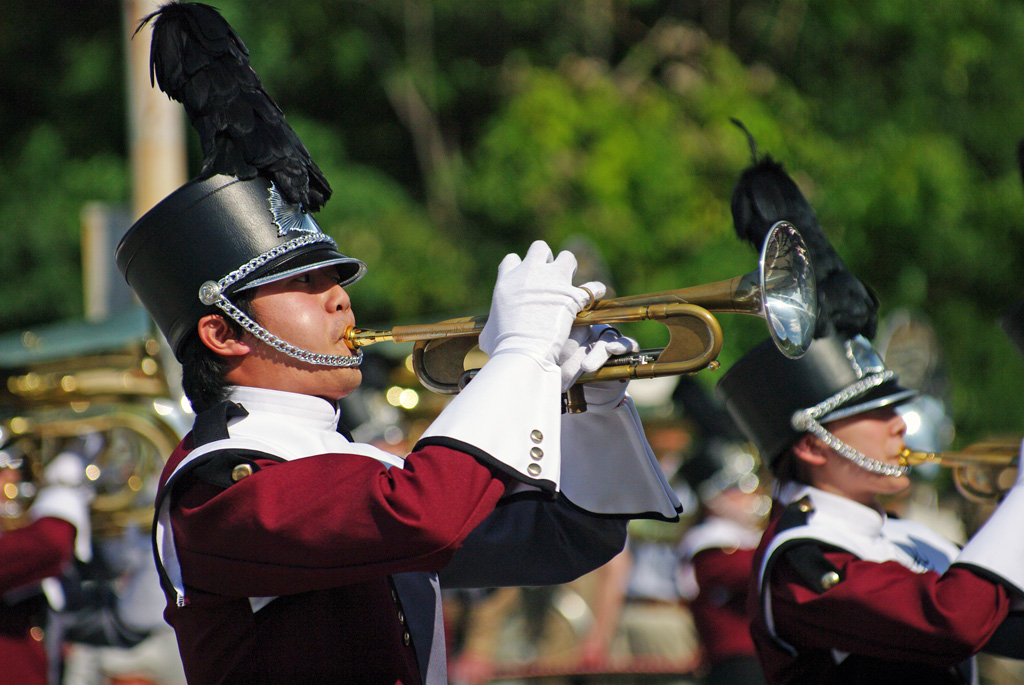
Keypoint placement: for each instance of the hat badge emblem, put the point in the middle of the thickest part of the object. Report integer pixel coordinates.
(290, 217)
(863, 357)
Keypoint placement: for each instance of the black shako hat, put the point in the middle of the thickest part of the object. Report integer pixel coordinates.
(247, 219)
(220, 235)
(774, 399)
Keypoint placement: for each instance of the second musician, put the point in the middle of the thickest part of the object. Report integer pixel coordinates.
(844, 593)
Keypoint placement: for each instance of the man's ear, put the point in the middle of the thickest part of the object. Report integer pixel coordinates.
(810, 449)
(220, 337)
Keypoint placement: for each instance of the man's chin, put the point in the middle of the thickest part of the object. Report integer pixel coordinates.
(897, 484)
(346, 380)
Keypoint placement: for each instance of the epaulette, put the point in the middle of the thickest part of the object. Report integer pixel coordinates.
(228, 467)
(807, 557)
(796, 514)
(220, 468)
(223, 467)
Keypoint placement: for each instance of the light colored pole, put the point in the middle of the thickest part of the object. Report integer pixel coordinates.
(156, 130)
(157, 157)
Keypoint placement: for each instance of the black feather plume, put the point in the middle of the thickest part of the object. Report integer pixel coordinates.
(764, 195)
(199, 60)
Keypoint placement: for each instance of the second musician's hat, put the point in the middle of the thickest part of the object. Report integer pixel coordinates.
(248, 218)
(775, 399)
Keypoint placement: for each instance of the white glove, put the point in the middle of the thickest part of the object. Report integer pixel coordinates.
(65, 495)
(67, 468)
(534, 304)
(588, 348)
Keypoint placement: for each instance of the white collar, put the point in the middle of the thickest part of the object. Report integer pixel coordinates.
(291, 425)
(829, 506)
(306, 410)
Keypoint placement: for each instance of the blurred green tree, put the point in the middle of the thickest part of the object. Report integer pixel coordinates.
(456, 132)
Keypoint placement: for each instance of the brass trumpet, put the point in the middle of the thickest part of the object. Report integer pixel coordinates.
(982, 472)
(782, 291)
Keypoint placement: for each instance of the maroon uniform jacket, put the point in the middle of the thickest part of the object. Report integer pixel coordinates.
(720, 610)
(27, 556)
(719, 553)
(320, 569)
(846, 594)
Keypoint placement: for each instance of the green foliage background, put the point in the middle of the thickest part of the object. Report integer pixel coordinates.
(455, 132)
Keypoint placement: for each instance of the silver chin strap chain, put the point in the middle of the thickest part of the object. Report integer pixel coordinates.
(807, 420)
(296, 352)
(212, 293)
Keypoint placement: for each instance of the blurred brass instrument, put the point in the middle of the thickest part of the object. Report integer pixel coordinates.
(781, 291)
(101, 391)
(132, 442)
(982, 472)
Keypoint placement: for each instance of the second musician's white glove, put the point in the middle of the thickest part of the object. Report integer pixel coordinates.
(588, 348)
(534, 304)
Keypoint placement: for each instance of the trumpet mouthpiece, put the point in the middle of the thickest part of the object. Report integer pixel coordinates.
(361, 337)
(347, 337)
(909, 457)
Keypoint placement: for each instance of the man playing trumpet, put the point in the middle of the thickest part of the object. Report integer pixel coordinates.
(289, 553)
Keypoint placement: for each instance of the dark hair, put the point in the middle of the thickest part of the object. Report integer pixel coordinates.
(202, 369)
(788, 467)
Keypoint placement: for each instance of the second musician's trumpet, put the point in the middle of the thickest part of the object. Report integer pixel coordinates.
(782, 291)
(982, 472)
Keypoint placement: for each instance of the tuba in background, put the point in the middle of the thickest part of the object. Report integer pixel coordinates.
(104, 390)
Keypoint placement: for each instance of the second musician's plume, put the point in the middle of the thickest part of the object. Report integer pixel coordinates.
(764, 195)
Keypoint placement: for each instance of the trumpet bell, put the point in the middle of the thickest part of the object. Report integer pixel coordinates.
(789, 291)
(983, 483)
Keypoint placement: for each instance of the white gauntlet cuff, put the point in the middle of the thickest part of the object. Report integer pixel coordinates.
(609, 468)
(69, 504)
(510, 412)
(998, 547)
